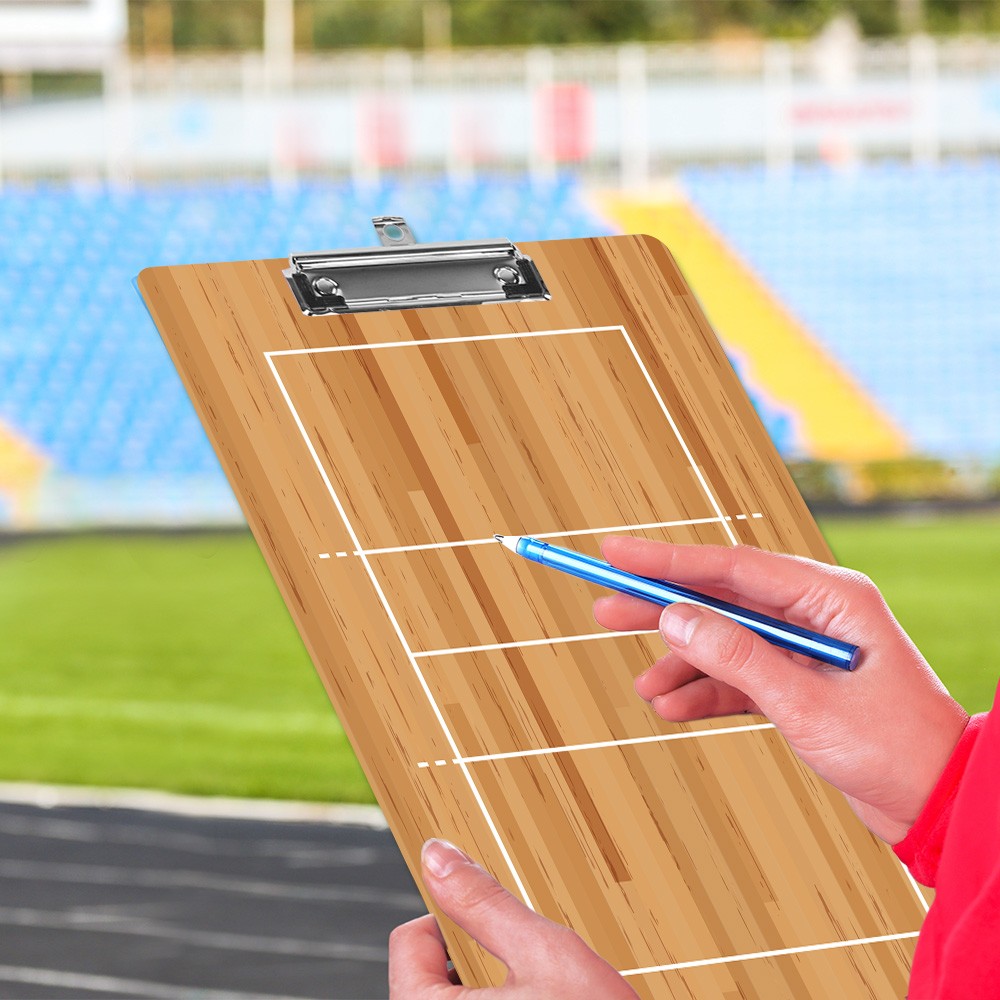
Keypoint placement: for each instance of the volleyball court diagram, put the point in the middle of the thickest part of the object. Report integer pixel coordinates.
(375, 456)
(662, 841)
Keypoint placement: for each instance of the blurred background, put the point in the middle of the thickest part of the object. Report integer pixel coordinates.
(826, 173)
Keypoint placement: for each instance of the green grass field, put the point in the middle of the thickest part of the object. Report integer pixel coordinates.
(170, 662)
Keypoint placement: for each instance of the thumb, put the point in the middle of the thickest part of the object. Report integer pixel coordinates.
(733, 654)
(483, 908)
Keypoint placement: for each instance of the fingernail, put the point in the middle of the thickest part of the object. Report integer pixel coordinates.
(677, 623)
(441, 857)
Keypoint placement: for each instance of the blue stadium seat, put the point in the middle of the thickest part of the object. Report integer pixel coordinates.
(84, 375)
(895, 269)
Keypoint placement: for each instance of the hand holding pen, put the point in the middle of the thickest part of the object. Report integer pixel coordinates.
(881, 734)
(794, 638)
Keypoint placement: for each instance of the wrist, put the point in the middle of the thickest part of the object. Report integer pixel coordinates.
(920, 850)
(941, 736)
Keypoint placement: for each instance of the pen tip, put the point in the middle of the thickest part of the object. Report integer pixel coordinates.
(499, 538)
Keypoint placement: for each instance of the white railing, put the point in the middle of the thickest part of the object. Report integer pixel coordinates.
(627, 115)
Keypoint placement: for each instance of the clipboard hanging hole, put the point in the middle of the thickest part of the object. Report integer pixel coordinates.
(393, 231)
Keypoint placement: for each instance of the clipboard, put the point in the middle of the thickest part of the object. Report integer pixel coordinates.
(380, 414)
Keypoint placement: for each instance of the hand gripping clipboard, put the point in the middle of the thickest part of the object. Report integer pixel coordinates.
(380, 413)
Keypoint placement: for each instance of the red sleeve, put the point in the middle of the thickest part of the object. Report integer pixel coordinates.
(920, 849)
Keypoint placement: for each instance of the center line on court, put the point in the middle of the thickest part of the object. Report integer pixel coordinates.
(630, 741)
(468, 542)
(549, 641)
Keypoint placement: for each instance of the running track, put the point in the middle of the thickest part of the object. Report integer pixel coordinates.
(113, 902)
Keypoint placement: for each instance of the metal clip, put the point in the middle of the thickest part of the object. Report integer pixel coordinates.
(404, 274)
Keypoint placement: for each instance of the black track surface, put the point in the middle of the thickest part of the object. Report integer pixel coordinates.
(124, 903)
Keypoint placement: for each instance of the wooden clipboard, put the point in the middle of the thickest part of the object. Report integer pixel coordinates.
(376, 452)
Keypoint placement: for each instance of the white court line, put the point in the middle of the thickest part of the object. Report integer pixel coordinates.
(391, 549)
(524, 335)
(916, 887)
(127, 987)
(631, 741)
(687, 451)
(438, 714)
(441, 340)
(725, 521)
(552, 641)
(777, 953)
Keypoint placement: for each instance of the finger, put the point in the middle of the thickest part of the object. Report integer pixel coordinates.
(626, 614)
(812, 591)
(672, 671)
(743, 660)
(703, 698)
(483, 908)
(680, 692)
(623, 613)
(667, 674)
(418, 961)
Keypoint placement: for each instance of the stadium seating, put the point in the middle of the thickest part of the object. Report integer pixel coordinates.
(85, 378)
(895, 269)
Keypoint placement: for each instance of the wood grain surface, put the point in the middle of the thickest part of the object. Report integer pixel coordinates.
(374, 457)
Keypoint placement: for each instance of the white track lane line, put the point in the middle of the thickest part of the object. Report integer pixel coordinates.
(138, 988)
(198, 806)
(292, 851)
(151, 878)
(93, 922)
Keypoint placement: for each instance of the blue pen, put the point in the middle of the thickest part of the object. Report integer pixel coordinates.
(778, 633)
